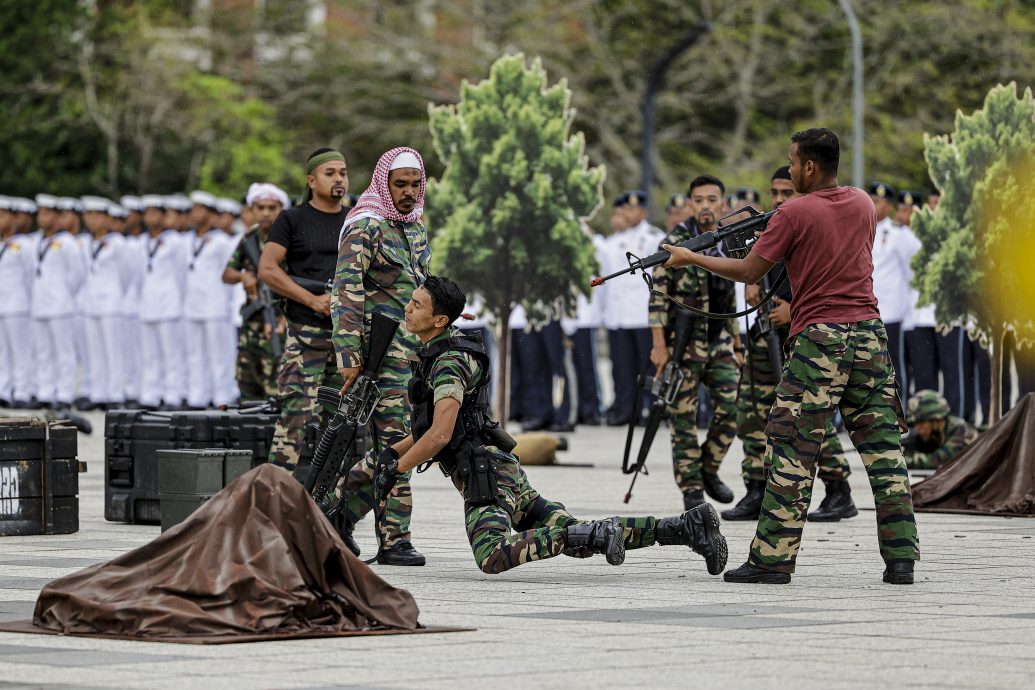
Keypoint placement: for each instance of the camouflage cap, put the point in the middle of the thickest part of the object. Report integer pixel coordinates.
(927, 405)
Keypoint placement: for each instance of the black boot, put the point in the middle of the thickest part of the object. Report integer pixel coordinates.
(698, 529)
(836, 504)
(401, 553)
(715, 488)
(603, 536)
(752, 574)
(692, 499)
(344, 529)
(899, 573)
(749, 506)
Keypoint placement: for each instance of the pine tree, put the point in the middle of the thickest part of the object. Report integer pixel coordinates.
(977, 264)
(506, 213)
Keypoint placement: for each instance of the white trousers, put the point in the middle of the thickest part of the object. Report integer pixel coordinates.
(17, 363)
(230, 390)
(131, 344)
(162, 363)
(82, 357)
(105, 359)
(207, 364)
(54, 340)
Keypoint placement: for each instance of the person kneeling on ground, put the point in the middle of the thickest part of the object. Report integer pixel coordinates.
(935, 436)
(451, 426)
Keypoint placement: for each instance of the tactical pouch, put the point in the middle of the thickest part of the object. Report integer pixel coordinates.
(478, 472)
(495, 435)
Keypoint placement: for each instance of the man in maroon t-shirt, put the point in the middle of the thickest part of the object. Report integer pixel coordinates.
(839, 359)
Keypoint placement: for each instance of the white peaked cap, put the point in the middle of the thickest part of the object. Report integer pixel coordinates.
(47, 201)
(116, 211)
(152, 201)
(68, 203)
(224, 205)
(95, 203)
(131, 203)
(203, 198)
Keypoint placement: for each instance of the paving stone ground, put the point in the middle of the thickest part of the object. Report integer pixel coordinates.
(658, 621)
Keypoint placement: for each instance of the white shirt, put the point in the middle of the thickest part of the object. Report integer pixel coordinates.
(105, 285)
(627, 297)
(893, 247)
(17, 267)
(134, 265)
(518, 319)
(165, 271)
(58, 277)
(208, 297)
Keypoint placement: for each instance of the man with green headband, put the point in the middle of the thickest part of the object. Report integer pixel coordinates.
(304, 240)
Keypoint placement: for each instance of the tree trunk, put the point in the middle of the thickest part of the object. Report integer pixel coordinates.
(503, 385)
(995, 356)
(113, 165)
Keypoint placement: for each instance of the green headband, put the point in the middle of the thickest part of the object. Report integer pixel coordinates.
(318, 160)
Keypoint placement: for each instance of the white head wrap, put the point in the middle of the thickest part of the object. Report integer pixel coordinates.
(265, 191)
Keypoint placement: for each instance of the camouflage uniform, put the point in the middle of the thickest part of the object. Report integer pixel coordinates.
(380, 264)
(755, 400)
(835, 365)
(713, 364)
(928, 405)
(256, 367)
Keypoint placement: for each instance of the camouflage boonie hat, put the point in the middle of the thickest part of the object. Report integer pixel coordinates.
(927, 405)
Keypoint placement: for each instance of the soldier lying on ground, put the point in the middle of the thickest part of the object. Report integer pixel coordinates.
(450, 425)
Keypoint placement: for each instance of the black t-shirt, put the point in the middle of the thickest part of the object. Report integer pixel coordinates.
(311, 239)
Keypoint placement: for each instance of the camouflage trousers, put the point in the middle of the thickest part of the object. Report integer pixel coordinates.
(256, 368)
(754, 401)
(524, 527)
(309, 362)
(719, 375)
(835, 365)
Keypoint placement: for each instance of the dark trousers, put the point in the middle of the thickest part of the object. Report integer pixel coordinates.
(630, 357)
(541, 360)
(922, 353)
(516, 384)
(1025, 372)
(982, 368)
(897, 350)
(584, 355)
(950, 365)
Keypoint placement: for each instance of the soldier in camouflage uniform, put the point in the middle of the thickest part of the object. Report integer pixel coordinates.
(935, 436)
(839, 359)
(709, 358)
(758, 393)
(256, 367)
(450, 424)
(383, 255)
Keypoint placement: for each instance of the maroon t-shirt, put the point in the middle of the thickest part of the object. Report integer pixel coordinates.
(826, 240)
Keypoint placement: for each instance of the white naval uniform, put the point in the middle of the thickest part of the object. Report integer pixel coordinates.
(134, 264)
(57, 280)
(17, 360)
(206, 306)
(82, 355)
(627, 298)
(103, 294)
(893, 247)
(161, 310)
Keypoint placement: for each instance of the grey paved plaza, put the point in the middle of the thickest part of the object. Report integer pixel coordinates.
(658, 621)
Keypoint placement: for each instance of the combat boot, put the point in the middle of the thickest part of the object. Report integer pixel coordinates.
(344, 529)
(715, 488)
(752, 574)
(401, 553)
(899, 573)
(749, 506)
(603, 536)
(692, 499)
(698, 529)
(837, 504)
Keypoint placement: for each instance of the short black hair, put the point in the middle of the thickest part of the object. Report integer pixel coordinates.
(317, 152)
(702, 180)
(446, 297)
(820, 146)
(783, 173)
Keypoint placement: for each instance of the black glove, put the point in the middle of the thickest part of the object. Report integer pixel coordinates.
(386, 473)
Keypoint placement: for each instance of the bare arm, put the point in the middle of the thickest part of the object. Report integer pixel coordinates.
(434, 440)
(274, 276)
(750, 269)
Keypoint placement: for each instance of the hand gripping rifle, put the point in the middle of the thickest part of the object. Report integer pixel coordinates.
(265, 302)
(665, 387)
(352, 411)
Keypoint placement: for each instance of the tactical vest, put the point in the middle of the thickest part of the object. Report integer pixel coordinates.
(473, 419)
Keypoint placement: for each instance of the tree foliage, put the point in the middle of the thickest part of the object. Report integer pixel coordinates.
(976, 262)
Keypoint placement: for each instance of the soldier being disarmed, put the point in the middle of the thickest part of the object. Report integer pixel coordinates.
(383, 256)
(305, 240)
(710, 357)
(839, 359)
(508, 523)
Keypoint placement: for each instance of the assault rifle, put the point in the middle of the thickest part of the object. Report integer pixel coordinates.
(665, 387)
(738, 236)
(265, 301)
(314, 286)
(764, 327)
(352, 411)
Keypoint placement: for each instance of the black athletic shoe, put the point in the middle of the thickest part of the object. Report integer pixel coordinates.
(402, 553)
(754, 575)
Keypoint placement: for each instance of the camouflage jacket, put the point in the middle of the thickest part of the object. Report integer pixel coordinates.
(958, 435)
(688, 285)
(380, 264)
(239, 261)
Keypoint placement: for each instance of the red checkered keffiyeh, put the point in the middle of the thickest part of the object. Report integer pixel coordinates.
(376, 202)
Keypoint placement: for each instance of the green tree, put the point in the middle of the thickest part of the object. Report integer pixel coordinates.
(976, 262)
(508, 209)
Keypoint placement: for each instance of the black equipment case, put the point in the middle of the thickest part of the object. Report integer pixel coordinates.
(188, 478)
(39, 478)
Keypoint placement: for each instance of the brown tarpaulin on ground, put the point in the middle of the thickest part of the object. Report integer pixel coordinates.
(994, 475)
(257, 559)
